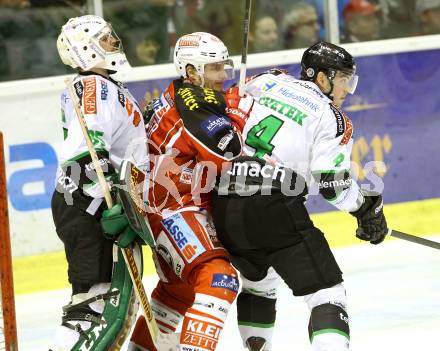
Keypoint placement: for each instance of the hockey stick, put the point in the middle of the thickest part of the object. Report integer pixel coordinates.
(247, 19)
(414, 239)
(139, 289)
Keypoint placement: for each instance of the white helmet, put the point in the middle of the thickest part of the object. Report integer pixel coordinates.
(198, 49)
(89, 42)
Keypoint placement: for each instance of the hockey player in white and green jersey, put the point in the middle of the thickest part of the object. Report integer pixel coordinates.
(296, 135)
(103, 304)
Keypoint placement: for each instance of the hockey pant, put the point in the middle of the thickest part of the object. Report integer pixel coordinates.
(197, 283)
(88, 252)
(274, 231)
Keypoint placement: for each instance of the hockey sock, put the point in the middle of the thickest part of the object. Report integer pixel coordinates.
(203, 323)
(256, 322)
(328, 328)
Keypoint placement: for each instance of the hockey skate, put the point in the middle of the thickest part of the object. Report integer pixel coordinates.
(165, 342)
(256, 343)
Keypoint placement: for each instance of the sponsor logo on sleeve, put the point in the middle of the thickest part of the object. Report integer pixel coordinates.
(169, 99)
(344, 126)
(161, 106)
(104, 90)
(342, 183)
(214, 124)
(90, 107)
(121, 98)
(225, 281)
(79, 89)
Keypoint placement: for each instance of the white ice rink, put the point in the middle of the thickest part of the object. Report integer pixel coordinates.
(393, 293)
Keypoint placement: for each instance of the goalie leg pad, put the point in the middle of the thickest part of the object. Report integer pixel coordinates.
(102, 321)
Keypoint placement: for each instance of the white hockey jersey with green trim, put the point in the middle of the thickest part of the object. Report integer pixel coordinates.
(115, 125)
(293, 124)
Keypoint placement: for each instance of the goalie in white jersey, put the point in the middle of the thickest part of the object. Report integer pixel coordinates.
(102, 303)
(295, 135)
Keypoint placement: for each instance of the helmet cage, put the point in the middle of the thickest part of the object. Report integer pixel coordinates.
(107, 41)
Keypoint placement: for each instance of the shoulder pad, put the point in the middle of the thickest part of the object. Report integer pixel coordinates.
(344, 126)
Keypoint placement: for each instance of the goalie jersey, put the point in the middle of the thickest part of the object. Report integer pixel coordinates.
(116, 129)
(292, 124)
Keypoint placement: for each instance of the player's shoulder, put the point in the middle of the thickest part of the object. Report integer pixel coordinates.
(97, 84)
(192, 100)
(96, 92)
(304, 95)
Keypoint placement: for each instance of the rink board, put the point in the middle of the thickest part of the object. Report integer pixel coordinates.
(48, 271)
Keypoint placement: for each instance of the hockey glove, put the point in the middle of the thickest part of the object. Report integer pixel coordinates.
(238, 116)
(115, 224)
(372, 225)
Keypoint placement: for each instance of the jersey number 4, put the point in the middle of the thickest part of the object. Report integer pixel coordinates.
(261, 134)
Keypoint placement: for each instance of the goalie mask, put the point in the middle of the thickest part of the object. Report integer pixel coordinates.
(88, 42)
(199, 49)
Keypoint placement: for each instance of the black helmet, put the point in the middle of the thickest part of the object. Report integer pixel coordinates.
(328, 58)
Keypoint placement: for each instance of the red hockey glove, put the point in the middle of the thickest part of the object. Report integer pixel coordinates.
(232, 98)
(237, 115)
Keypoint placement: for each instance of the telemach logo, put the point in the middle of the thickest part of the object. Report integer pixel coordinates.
(335, 184)
(255, 169)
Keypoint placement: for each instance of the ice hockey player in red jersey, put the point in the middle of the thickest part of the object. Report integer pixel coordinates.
(190, 137)
(296, 136)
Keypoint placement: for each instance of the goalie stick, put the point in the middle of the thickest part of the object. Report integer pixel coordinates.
(414, 239)
(158, 338)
